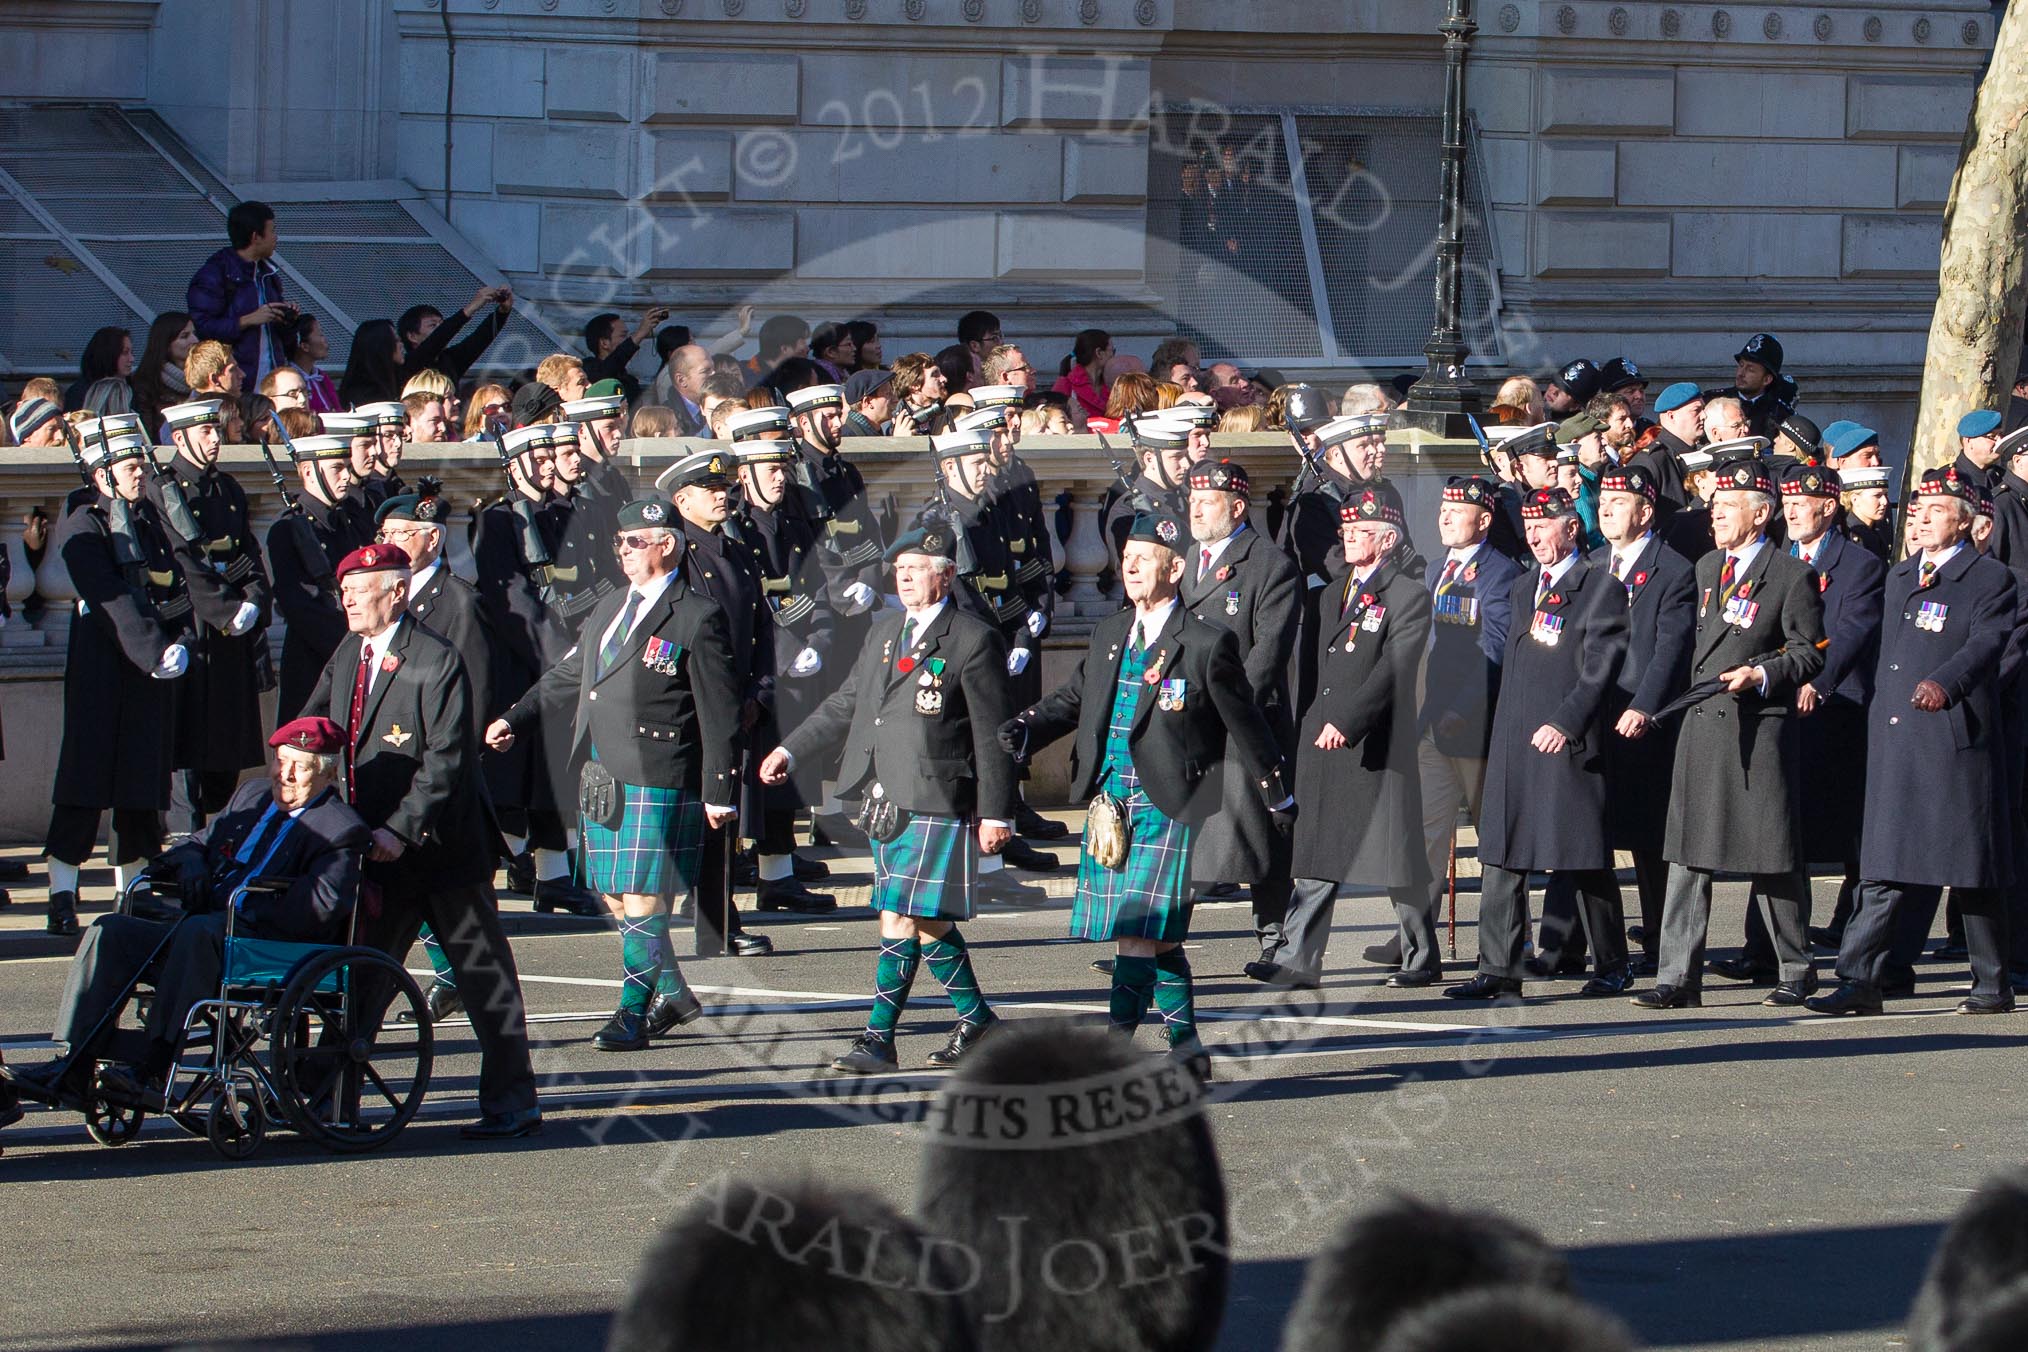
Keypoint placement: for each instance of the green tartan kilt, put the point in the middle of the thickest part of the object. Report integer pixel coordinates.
(928, 870)
(1149, 898)
(656, 850)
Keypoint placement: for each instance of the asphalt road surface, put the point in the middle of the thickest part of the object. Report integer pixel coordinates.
(1730, 1177)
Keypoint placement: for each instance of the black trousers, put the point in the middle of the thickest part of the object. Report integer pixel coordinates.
(1889, 911)
(1271, 900)
(466, 922)
(1503, 917)
(74, 834)
(714, 916)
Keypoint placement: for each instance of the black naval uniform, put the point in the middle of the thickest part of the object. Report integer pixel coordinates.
(1252, 590)
(1144, 496)
(1016, 499)
(1366, 826)
(218, 711)
(533, 637)
(450, 606)
(990, 591)
(304, 551)
(1662, 457)
(119, 721)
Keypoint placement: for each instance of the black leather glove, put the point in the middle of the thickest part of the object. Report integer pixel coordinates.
(1285, 820)
(1014, 738)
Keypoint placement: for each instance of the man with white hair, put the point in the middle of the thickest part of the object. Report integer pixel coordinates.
(1725, 420)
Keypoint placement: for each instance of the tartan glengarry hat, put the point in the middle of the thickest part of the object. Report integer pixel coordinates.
(327, 446)
(1378, 502)
(196, 413)
(951, 445)
(1803, 480)
(1472, 489)
(1948, 483)
(1744, 474)
(699, 469)
(752, 422)
(1636, 479)
(645, 514)
(813, 397)
(393, 414)
(1547, 504)
(1224, 476)
(374, 558)
(932, 539)
(318, 736)
(1158, 528)
(31, 414)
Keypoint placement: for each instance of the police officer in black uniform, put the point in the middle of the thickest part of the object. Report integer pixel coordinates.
(303, 550)
(218, 713)
(1758, 384)
(128, 643)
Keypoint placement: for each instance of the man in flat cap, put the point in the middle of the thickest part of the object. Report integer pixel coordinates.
(1735, 801)
(1936, 759)
(1356, 758)
(218, 714)
(400, 694)
(291, 824)
(1545, 796)
(303, 550)
(1234, 579)
(654, 691)
(1159, 704)
(129, 642)
(916, 723)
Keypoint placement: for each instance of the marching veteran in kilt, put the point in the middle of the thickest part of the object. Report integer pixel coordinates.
(916, 719)
(1159, 703)
(655, 741)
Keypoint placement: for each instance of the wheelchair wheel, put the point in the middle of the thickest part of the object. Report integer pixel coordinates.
(112, 1123)
(347, 1073)
(235, 1125)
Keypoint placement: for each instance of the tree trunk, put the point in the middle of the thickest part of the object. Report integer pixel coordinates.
(1975, 334)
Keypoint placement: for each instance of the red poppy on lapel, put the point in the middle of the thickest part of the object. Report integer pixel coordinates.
(905, 665)
(1553, 599)
(1225, 572)
(1640, 578)
(389, 663)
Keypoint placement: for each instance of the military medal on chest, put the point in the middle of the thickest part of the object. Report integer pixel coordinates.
(1232, 603)
(929, 685)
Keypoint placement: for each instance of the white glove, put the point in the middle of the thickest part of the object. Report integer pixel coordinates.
(1017, 661)
(859, 598)
(243, 619)
(1037, 622)
(173, 663)
(808, 663)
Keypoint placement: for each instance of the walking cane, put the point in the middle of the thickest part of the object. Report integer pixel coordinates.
(1454, 895)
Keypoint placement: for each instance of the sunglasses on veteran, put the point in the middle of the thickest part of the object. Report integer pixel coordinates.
(631, 541)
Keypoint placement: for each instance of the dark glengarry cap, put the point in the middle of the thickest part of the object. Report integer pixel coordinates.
(1547, 504)
(1802, 435)
(1748, 475)
(318, 736)
(1764, 348)
(1804, 480)
(1578, 379)
(1635, 479)
(1225, 476)
(1158, 528)
(1472, 489)
(532, 403)
(1948, 483)
(375, 558)
(1378, 502)
(423, 508)
(645, 514)
(930, 538)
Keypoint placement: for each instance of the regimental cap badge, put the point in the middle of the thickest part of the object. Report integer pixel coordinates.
(652, 511)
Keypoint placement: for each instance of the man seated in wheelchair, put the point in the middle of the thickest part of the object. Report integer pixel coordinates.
(293, 826)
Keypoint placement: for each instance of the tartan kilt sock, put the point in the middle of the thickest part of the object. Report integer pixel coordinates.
(439, 962)
(644, 939)
(893, 974)
(1174, 999)
(1133, 988)
(950, 961)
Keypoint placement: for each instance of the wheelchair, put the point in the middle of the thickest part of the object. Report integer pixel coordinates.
(332, 1041)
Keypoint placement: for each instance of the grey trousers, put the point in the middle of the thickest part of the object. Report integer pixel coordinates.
(1784, 900)
(117, 950)
(1448, 783)
(1306, 929)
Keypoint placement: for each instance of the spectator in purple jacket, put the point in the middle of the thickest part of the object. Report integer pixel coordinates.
(236, 297)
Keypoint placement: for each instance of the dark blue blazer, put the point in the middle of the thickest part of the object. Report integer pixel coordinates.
(1850, 580)
(1466, 648)
(1661, 621)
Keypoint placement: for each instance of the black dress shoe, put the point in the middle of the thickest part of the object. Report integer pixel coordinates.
(1986, 1004)
(1104, 966)
(1851, 997)
(1791, 994)
(13, 871)
(125, 1086)
(1742, 969)
(963, 1038)
(441, 999)
(745, 873)
(1618, 981)
(1276, 974)
(1637, 934)
(835, 828)
(1670, 997)
(45, 1083)
(561, 894)
(744, 945)
(521, 873)
(504, 1126)
(1020, 854)
(869, 1056)
(1950, 950)
(1644, 965)
(1540, 970)
(1484, 986)
(1387, 954)
(62, 913)
(626, 1031)
(809, 870)
(1032, 824)
(786, 894)
(669, 1011)
(6, 898)
(1008, 891)
(1408, 978)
